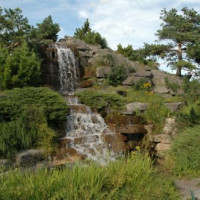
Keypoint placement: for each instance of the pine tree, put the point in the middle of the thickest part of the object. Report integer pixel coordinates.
(181, 31)
(91, 37)
(19, 68)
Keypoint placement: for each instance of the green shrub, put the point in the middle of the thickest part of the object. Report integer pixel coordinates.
(19, 68)
(143, 84)
(117, 75)
(101, 101)
(134, 178)
(54, 105)
(156, 113)
(27, 117)
(189, 115)
(172, 85)
(185, 151)
(191, 90)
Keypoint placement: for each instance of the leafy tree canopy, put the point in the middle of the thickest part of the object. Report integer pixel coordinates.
(91, 37)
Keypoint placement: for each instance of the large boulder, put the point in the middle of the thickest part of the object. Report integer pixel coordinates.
(129, 81)
(160, 138)
(143, 73)
(132, 129)
(173, 107)
(170, 127)
(29, 157)
(161, 148)
(134, 107)
(117, 142)
(103, 72)
(161, 90)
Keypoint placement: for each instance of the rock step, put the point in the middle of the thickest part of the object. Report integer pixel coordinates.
(80, 109)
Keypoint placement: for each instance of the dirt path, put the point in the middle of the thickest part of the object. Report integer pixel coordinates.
(186, 186)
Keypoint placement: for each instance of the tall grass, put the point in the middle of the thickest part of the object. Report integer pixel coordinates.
(133, 178)
(185, 151)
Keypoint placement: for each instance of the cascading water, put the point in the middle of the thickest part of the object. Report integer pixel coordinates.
(85, 129)
(67, 70)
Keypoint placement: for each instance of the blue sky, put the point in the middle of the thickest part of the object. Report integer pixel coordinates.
(119, 21)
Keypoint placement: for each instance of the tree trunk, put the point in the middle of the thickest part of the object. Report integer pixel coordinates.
(178, 71)
(180, 57)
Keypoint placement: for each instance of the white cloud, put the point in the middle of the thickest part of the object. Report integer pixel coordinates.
(127, 21)
(83, 14)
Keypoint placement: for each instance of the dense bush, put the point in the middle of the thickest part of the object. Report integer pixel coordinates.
(101, 101)
(134, 178)
(189, 115)
(143, 84)
(117, 75)
(191, 90)
(18, 68)
(185, 151)
(28, 117)
(156, 113)
(172, 85)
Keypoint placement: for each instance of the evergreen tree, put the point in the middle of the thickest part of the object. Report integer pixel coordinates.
(91, 37)
(181, 30)
(13, 26)
(47, 29)
(18, 68)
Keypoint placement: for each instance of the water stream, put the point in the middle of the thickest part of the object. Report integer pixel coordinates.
(85, 129)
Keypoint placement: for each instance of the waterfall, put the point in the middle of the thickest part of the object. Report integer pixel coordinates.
(85, 129)
(67, 70)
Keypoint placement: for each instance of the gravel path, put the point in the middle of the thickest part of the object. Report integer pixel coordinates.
(186, 186)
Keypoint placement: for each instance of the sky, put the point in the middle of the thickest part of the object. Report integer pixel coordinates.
(132, 22)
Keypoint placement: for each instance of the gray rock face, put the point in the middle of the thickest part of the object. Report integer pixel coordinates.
(132, 108)
(161, 148)
(103, 72)
(170, 126)
(129, 81)
(160, 138)
(29, 157)
(143, 73)
(161, 90)
(173, 107)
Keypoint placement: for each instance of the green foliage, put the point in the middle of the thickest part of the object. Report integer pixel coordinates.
(185, 151)
(143, 84)
(26, 116)
(47, 30)
(117, 75)
(172, 85)
(191, 90)
(25, 132)
(54, 105)
(182, 30)
(189, 115)
(13, 26)
(117, 180)
(140, 55)
(18, 68)
(103, 102)
(156, 113)
(91, 37)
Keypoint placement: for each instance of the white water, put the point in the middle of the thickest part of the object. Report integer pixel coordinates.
(67, 70)
(85, 129)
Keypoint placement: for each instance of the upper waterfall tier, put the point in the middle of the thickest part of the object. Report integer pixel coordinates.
(68, 75)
